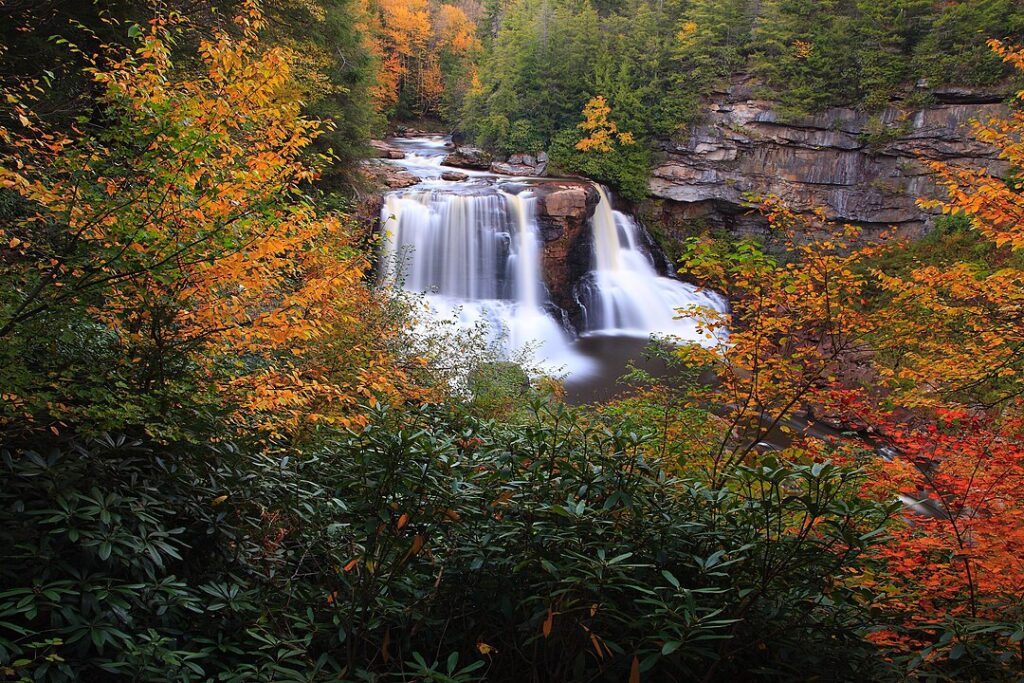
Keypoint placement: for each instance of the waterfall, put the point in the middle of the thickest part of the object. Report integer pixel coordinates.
(476, 258)
(525, 260)
(474, 251)
(624, 293)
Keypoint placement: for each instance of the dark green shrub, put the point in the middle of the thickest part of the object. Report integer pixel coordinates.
(427, 547)
(523, 137)
(626, 168)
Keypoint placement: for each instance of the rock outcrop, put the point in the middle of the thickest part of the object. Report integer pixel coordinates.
(522, 165)
(469, 157)
(382, 174)
(383, 150)
(507, 168)
(860, 168)
(564, 208)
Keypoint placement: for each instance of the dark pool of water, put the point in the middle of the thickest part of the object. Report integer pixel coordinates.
(612, 356)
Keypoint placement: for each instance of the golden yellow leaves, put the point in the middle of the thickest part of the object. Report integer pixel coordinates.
(455, 29)
(602, 132)
(201, 237)
(686, 32)
(408, 37)
(803, 49)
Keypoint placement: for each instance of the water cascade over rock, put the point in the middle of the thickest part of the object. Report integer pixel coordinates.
(477, 259)
(624, 293)
(480, 252)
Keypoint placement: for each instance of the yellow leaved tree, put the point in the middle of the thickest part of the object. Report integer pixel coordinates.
(602, 132)
(182, 228)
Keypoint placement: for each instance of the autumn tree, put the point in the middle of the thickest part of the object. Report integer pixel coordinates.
(180, 237)
(922, 369)
(426, 52)
(602, 132)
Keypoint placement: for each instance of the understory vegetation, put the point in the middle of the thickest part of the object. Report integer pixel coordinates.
(224, 456)
(428, 546)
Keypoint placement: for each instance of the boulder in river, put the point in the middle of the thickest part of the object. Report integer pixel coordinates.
(523, 159)
(388, 175)
(469, 157)
(455, 176)
(522, 165)
(383, 150)
(508, 168)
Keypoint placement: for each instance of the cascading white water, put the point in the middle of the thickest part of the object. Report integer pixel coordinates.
(624, 293)
(476, 257)
(475, 251)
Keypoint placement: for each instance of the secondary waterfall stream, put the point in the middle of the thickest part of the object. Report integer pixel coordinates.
(624, 294)
(474, 250)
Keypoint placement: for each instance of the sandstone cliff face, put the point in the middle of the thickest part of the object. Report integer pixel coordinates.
(860, 169)
(564, 209)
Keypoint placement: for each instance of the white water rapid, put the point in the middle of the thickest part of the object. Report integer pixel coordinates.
(624, 293)
(476, 257)
(473, 249)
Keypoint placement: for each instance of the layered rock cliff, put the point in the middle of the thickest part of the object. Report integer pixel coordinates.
(860, 168)
(564, 208)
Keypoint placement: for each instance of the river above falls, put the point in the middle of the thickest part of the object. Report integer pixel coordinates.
(473, 245)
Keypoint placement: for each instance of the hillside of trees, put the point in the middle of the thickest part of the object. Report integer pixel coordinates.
(654, 62)
(227, 455)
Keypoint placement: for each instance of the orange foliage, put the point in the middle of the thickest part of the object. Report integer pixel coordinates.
(407, 37)
(997, 207)
(455, 29)
(927, 367)
(602, 132)
(195, 239)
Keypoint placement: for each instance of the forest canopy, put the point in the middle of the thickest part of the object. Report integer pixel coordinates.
(655, 62)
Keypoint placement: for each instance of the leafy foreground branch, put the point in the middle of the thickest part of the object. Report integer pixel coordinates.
(427, 547)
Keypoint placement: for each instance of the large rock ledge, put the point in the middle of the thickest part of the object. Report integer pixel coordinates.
(564, 209)
(380, 174)
(469, 157)
(860, 168)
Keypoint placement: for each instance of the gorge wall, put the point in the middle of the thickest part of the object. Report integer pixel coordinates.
(860, 168)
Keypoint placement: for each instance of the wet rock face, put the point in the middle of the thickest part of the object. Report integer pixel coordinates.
(860, 168)
(564, 209)
(469, 157)
(382, 174)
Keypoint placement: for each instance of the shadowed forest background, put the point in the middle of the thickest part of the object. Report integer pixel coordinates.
(228, 453)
